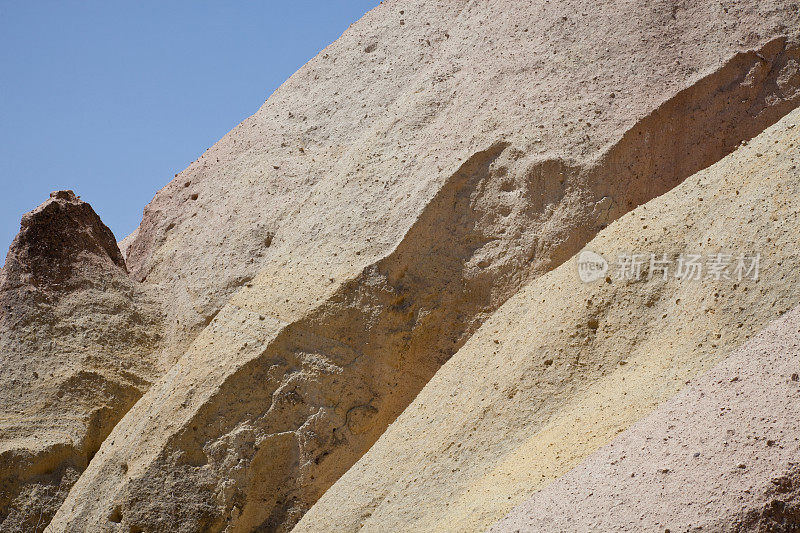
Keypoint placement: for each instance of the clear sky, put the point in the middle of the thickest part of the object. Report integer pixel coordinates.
(112, 98)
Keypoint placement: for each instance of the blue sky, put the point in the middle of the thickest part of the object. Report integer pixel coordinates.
(112, 98)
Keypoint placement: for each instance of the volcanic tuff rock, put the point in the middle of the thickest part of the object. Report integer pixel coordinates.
(563, 366)
(720, 456)
(328, 176)
(319, 263)
(75, 343)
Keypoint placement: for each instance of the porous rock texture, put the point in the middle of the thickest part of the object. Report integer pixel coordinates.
(331, 173)
(318, 265)
(370, 252)
(720, 456)
(75, 343)
(563, 366)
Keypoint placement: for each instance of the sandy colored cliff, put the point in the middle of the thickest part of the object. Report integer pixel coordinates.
(428, 189)
(361, 309)
(564, 366)
(720, 456)
(76, 337)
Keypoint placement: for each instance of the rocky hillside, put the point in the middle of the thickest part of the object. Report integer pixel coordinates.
(730, 434)
(77, 337)
(366, 292)
(564, 366)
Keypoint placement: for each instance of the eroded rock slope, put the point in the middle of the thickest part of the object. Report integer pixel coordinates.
(563, 366)
(343, 157)
(333, 305)
(720, 456)
(75, 343)
(319, 263)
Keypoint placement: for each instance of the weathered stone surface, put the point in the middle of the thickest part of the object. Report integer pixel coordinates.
(720, 456)
(75, 340)
(315, 267)
(564, 366)
(345, 155)
(379, 206)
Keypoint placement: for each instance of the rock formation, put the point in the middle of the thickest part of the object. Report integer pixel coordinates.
(723, 454)
(564, 366)
(76, 338)
(343, 265)
(415, 191)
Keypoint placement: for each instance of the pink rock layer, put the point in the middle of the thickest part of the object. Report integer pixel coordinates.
(720, 456)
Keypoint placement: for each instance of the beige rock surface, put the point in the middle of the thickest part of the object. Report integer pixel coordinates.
(345, 155)
(125, 243)
(318, 264)
(720, 456)
(563, 366)
(75, 342)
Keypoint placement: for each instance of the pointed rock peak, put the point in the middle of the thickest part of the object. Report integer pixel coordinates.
(57, 240)
(64, 195)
